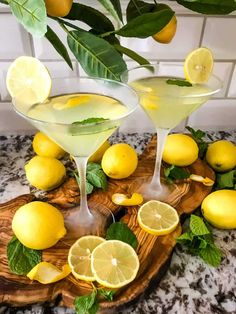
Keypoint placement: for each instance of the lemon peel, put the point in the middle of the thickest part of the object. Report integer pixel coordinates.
(46, 273)
(204, 180)
(122, 199)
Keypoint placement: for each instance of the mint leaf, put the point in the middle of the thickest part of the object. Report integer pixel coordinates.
(93, 166)
(97, 178)
(89, 186)
(175, 173)
(187, 236)
(94, 308)
(198, 136)
(179, 82)
(85, 303)
(211, 255)
(20, 258)
(89, 121)
(197, 226)
(120, 231)
(226, 180)
(107, 294)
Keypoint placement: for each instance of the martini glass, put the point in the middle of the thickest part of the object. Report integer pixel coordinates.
(166, 104)
(79, 116)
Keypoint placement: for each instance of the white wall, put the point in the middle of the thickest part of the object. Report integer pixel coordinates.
(215, 32)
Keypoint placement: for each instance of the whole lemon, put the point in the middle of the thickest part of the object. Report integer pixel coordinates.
(45, 147)
(180, 150)
(45, 173)
(167, 33)
(97, 156)
(38, 225)
(58, 8)
(119, 161)
(221, 155)
(219, 208)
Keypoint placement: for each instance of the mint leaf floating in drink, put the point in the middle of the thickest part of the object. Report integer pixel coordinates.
(20, 258)
(200, 242)
(120, 231)
(179, 82)
(74, 130)
(173, 173)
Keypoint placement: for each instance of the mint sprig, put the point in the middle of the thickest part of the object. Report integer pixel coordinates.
(120, 231)
(173, 173)
(198, 136)
(200, 242)
(226, 180)
(179, 82)
(88, 304)
(95, 177)
(20, 258)
(89, 121)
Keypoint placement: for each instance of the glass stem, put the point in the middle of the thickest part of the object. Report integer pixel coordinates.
(84, 212)
(161, 138)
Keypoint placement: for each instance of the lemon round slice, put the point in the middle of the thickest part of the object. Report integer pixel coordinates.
(114, 264)
(157, 218)
(198, 65)
(79, 257)
(28, 80)
(45, 273)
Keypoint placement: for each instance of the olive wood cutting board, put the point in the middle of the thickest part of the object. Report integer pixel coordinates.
(154, 252)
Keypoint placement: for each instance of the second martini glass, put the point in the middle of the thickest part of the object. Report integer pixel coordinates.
(79, 116)
(166, 103)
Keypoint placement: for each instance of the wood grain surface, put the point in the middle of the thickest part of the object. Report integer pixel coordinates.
(153, 251)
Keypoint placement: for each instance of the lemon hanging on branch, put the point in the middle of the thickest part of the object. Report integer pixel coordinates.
(167, 33)
(58, 8)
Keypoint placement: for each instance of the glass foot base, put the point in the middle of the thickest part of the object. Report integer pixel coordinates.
(95, 224)
(151, 191)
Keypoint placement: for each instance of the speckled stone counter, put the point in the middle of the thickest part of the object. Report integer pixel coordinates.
(188, 287)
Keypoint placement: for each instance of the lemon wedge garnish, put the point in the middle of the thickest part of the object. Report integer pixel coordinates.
(79, 257)
(157, 218)
(45, 273)
(114, 263)
(28, 81)
(198, 65)
(72, 102)
(122, 199)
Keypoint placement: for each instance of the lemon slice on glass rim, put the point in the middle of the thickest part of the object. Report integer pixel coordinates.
(79, 257)
(198, 65)
(157, 218)
(28, 80)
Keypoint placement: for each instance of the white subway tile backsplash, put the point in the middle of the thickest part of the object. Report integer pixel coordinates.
(4, 95)
(223, 71)
(60, 69)
(219, 36)
(217, 114)
(14, 40)
(186, 39)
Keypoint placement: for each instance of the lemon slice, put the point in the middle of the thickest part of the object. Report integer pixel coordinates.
(45, 273)
(122, 199)
(28, 80)
(114, 264)
(198, 65)
(157, 218)
(79, 257)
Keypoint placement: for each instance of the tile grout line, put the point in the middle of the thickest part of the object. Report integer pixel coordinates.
(230, 81)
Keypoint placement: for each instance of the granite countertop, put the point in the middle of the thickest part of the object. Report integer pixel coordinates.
(188, 287)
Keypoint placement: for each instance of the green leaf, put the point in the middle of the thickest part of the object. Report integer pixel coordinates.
(187, 236)
(92, 17)
(107, 294)
(97, 57)
(209, 6)
(175, 173)
(85, 303)
(198, 137)
(197, 226)
(89, 186)
(178, 82)
(136, 8)
(211, 255)
(58, 45)
(97, 178)
(146, 24)
(226, 180)
(20, 258)
(113, 7)
(120, 231)
(133, 55)
(89, 121)
(93, 166)
(31, 14)
(94, 308)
